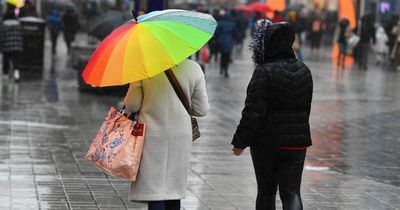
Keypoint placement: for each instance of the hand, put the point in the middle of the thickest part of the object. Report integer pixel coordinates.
(237, 151)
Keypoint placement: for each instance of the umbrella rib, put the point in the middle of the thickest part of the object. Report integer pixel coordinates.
(139, 57)
(183, 37)
(116, 50)
(149, 75)
(208, 27)
(99, 54)
(163, 45)
(143, 56)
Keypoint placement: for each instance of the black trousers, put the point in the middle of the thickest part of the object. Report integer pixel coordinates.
(54, 37)
(316, 40)
(363, 56)
(225, 60)
(275, 168)
(9, 57)
(164, 205)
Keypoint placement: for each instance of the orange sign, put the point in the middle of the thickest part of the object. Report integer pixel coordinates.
(346, 10)
(279, 5)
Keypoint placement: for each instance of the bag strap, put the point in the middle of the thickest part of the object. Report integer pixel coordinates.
(178, 90)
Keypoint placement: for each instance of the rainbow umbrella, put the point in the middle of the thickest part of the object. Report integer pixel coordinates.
(16, 3)
(143, 48)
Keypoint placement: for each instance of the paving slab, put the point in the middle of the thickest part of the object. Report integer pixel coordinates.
(47, 124)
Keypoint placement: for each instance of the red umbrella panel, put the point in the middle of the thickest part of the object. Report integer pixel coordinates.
(247, 11)
(260, 7)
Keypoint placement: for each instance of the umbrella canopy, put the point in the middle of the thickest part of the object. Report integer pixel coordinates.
(260, 7)
(144, 48)
(16, 3)
(104, 24)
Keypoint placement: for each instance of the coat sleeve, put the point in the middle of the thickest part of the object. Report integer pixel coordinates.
(134, 97)
(199, 98)
(255, 108)
(311, 96)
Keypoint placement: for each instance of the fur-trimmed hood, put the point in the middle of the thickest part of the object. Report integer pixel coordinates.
(272, 41)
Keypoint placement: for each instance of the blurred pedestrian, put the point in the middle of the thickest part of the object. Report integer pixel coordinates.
(275, 119)
(162, 176)
(28, 10)
(241, 23)
(212, 44)
(381, 48)
(342, 34)
(367, 35)
(226, 34)
(302, 25)
(389, 31)
(330, 22)
(316, 32)
(89, 9)
(278, 17)
(298, 28)
(395, 54)
(11, 43)
(55, 25)
(214, 50)
(71, 27)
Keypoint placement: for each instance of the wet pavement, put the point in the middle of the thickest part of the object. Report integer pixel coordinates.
(46, 126)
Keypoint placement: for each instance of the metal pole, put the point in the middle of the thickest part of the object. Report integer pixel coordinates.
(39, 7)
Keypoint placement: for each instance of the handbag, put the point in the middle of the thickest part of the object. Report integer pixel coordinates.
(118, 146)
(352, 41)
(204, 55)
(182, 97)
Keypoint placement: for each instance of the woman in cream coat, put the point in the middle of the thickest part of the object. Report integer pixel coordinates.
(162, 177)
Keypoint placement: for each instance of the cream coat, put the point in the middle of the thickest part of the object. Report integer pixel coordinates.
(168, 142)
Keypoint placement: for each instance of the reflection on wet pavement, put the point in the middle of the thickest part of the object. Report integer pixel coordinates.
(46, 126)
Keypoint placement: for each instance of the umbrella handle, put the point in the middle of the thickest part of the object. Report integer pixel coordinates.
(134, 15)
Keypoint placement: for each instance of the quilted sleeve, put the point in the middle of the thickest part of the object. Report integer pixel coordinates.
(255, 108)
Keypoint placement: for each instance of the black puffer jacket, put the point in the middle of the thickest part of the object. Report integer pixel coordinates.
(279, 95)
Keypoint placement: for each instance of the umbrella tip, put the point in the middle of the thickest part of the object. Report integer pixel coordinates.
(134, 15)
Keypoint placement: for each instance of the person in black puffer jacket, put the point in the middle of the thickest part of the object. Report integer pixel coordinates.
(275, 119)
